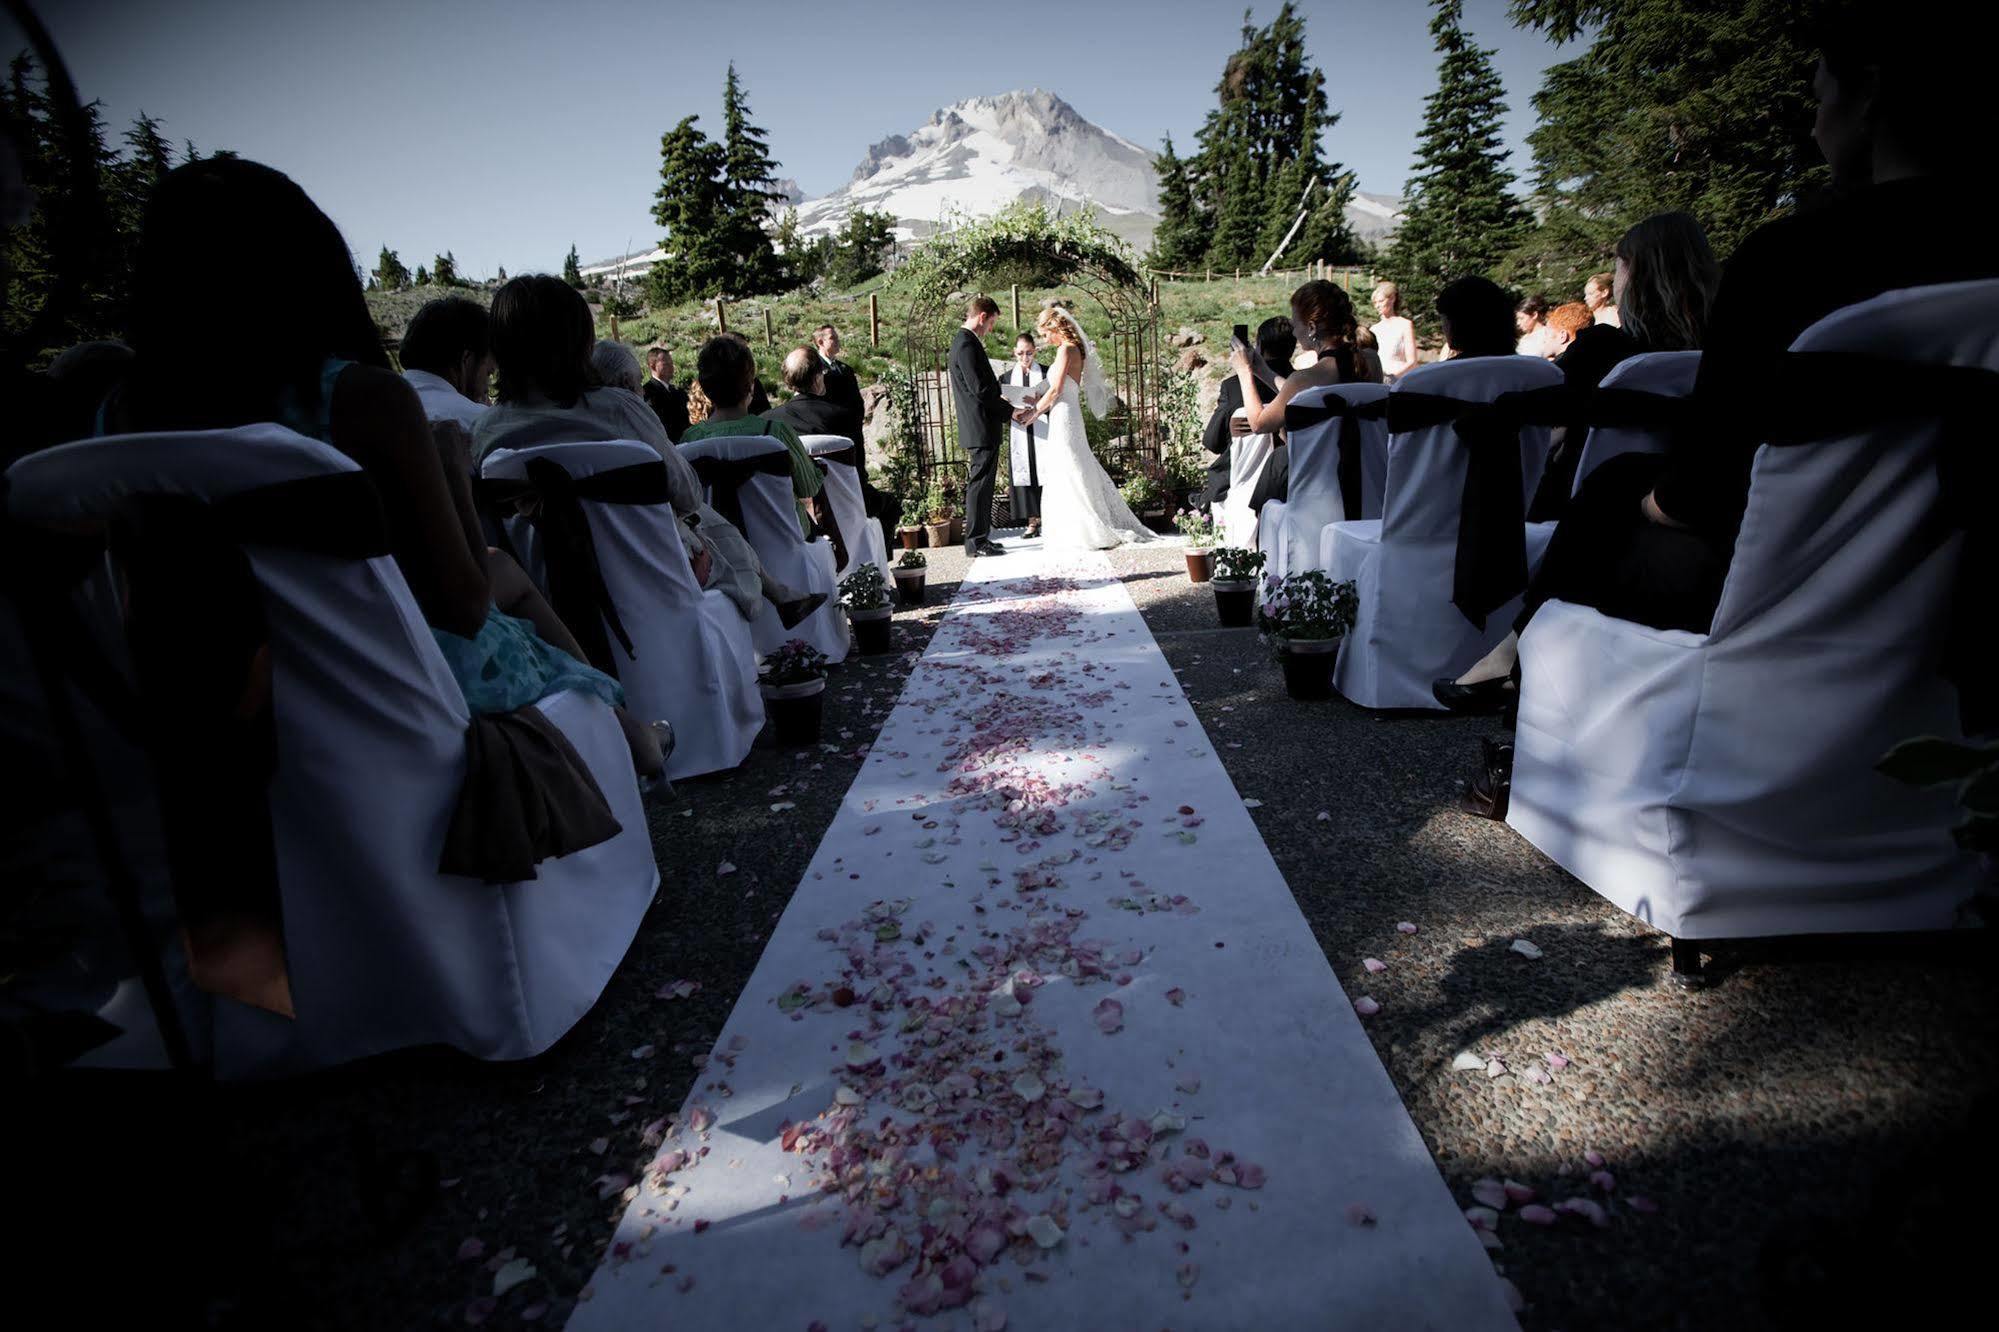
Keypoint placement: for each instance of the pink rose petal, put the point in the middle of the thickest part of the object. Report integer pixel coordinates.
(1595, 1158)
(1518, 1192)
(1638, 1202)
(1534, 1214)
(1366, 1006)
(1176, 996)
(1603, 1181)
(1491, 1193)
(1374, 964)
(1360, 1214)
(1109, 1015)
(1405, 927)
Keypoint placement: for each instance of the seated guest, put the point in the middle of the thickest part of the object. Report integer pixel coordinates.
(329, 378)
(615, 367)
(1649, 536)
(85, 377)
(1277, 345)
(727, 372)
(1565, 321)
(1599, 296)
(1665, 281)
(1395, 334)
(842, 384)
(542, 339)
(812, 410)
(1530, 321)
(1322, 321)
(1369, 349)
(447, 358)
(1477, 319)
(667, 402)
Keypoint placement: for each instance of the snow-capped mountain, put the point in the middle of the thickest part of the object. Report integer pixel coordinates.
(980, 155)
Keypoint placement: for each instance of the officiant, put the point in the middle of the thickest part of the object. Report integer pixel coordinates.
(1024, 474)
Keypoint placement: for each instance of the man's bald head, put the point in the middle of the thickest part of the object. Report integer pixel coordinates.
(803, 372)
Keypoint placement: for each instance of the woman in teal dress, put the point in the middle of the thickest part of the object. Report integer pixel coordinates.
(327, 376)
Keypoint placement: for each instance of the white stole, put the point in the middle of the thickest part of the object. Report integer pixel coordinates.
(1020, 452)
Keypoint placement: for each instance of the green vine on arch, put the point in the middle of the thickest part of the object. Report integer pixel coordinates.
(1022, 236)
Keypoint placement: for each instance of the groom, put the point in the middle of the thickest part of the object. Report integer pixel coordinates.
(982, 418)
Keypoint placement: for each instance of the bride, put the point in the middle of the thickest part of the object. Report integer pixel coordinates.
(1080, 508)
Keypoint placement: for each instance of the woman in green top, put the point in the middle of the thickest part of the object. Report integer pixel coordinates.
(728, 374)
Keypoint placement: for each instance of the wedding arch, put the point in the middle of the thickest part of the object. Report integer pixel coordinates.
(1027, 246)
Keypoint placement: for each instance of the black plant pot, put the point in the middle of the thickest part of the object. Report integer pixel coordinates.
(795, 711)
(1235, 601)
(1308, 667)
(909, 586)
(871, 630)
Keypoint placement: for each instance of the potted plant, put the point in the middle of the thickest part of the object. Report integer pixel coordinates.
(910, 530)
(793, 680)
(910, 571)
(954, 509)
(1199, 529)
(1308, 614)
(1235, 585)
(864, 592)
(1146, 498)
(936, 518)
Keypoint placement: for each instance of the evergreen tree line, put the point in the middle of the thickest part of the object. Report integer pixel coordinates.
(87, 212)
(715, 202)
(1702, 106)
(391, 275)
(1258, 165)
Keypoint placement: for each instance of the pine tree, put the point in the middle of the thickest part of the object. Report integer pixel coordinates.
(1698, 105)
(1461, 219)
(1181, 239)
(572, 270)
(863, 248)
(390, 273)
(422, 276)
(689, 205)
(1326, 233)
(749, 187)
(501, 280)
(444, 270)
(1259, 147)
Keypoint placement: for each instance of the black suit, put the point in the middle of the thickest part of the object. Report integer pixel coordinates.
(1217, 440)
(810, 415)
(983, 415)
(669, 404)
(843, 385)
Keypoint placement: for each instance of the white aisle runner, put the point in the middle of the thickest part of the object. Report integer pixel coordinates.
(1042, 1041)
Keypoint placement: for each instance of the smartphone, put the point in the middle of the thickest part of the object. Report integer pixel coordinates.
(1241, 334)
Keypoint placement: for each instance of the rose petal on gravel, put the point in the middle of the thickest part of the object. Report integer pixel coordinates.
(1595, 1158)
(598, 1146)
(1322, 816)
(724, 870)
(1518, 1192)
(1638, 1202)
(1405, 927)
(511, 1275)
(1603, 1181)
(1491, 1193)
(1534, 1214)
(1587, 1209)
(1525, 948)
(1028, 1087)
(1482, 1218)
(1467, 1062)
(1557, 1060)
(1189, 1083)
(642, 1052)
(1374, 965)
(1041, 1228)
(1494, 1068)
(1366, 1006)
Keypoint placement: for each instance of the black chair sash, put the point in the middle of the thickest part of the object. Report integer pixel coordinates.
(553, 500)
(198, 701)
(1351, 414)
(724, 479)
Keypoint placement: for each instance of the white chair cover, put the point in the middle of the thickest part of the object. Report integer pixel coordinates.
(694, 664)
(770, 525)
(1288, 529)
(1247, 455)
(1407, 633)
(1668, 374)
(1722, 785)
(863, 535)
(384, 952)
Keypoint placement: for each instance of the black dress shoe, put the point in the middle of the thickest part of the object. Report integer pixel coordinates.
(1491, 788)
(789, 613)
(984, 547)
(1476, 700)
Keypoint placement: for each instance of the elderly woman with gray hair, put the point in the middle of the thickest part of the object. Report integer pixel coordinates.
(615, 366)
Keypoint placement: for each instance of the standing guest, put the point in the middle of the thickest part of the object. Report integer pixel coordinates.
(447, 357)
(668, 403)
(1530, 321)
(842, 384)
(1277, 345)
(1024, 472)
(728, 373)
(1599, 294)
(1395, 335)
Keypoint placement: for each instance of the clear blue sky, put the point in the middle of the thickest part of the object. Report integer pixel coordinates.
(505, 130)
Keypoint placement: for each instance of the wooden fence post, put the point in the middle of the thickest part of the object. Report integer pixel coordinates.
(1211, 275)
(770, 338)
(614, 328)
(1016, 307)
(874, 321)
(721, 316)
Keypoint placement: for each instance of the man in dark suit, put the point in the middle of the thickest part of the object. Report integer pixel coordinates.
(668, 403)
(812, 412)
(842, 384)
(1278, 344)
(982, 420)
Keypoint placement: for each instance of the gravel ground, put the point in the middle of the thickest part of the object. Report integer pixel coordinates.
(1804, 1128)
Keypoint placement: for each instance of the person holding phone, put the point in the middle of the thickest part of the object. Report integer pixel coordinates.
(1276, 344)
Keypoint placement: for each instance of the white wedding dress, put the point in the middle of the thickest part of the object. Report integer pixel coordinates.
(1080, 507)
